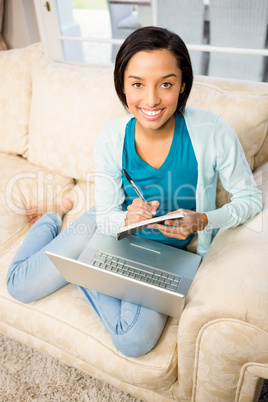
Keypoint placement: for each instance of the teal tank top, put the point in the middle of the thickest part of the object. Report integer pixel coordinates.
(173, 184)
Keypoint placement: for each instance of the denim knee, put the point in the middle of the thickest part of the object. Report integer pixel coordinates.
(134, 347)
(17, 291)
(26, 285)
(142, 337)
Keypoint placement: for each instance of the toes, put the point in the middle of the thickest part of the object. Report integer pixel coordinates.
(34, 219)
(31, 211)
(67, 205)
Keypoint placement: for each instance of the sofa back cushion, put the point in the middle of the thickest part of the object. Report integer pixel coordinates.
(70, 105)
(15, 97)
(243, 105)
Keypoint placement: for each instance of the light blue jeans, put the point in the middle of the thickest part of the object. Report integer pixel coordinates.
(134, 329)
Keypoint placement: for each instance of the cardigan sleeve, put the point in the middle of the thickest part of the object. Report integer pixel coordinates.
(109, 194)
(236, 177)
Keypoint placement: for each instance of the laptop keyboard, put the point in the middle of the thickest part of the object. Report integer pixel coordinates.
(130, 269)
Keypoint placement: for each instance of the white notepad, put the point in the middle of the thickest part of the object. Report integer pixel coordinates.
(136, 227)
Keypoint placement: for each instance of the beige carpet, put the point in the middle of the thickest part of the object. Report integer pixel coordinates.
(26, 375)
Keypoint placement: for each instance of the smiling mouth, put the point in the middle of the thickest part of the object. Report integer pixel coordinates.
(151, 113)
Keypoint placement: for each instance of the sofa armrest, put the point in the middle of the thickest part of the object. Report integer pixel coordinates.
(230, 285)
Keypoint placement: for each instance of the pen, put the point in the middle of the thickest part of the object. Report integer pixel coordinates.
(134, 186)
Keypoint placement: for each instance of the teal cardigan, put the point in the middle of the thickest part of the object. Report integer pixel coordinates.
(218, 152)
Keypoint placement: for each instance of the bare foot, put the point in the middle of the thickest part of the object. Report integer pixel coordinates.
(37, 210)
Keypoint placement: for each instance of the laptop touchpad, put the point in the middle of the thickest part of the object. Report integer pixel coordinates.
(149, 247)
(144, 251)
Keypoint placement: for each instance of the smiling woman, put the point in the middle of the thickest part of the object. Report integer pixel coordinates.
(152, 85)
(153, 79)
(174, 154)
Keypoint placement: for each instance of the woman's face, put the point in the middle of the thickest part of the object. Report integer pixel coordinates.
(152, 85)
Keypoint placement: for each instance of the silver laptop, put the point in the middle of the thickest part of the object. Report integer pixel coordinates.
(134, 269)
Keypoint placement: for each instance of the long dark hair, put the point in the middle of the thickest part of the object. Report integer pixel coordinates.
(149, 39)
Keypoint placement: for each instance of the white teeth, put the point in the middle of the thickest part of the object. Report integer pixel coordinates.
(151, 112)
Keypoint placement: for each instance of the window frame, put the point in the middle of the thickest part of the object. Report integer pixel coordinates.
(53, 41)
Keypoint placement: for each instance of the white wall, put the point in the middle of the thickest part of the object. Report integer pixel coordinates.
(20, 25)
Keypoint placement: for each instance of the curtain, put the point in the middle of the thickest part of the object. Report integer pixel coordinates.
(3, 46)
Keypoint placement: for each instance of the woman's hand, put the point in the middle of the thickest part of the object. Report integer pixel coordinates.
(181, 228)
(140, 211)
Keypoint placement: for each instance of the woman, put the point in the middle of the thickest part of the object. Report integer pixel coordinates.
(174, 154)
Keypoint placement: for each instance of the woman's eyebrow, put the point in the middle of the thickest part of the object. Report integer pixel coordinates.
(134, 77)
(169, 75)
(164, 77)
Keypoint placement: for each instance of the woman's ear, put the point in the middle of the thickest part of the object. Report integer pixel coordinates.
(182, 88)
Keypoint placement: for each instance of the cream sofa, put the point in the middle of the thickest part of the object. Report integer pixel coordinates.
(50, 116)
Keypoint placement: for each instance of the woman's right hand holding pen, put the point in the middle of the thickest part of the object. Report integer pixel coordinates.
(139, 211)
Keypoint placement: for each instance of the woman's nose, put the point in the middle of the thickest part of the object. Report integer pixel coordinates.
(152, 97)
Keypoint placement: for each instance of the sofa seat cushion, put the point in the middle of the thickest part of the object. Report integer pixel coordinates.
(21, 185)
(70, 105)
(243, 105)
(65, 321)
(15, 98)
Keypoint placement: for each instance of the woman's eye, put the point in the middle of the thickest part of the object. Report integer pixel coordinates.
(137, 85)
(166, 85)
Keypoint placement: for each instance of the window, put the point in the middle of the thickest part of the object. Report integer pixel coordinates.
(225, 38)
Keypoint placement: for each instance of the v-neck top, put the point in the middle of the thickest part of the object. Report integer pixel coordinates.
(218, 153)
(173, 184)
